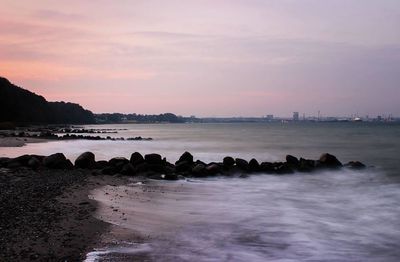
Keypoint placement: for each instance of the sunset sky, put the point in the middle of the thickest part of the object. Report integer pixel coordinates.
(207, 57)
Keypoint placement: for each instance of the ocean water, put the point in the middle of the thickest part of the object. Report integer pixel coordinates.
(326, 216)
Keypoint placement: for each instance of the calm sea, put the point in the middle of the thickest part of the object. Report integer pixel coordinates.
(327, 216)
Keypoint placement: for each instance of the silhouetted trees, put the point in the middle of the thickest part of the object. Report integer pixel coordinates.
(119, 118)
(22, 106)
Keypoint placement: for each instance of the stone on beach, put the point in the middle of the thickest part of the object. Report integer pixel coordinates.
(85, 160)
(57, 161)
(136, 158)
(228, 162)
(330, 161)
(153, 159)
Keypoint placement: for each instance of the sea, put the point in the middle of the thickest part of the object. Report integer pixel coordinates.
(342, 215)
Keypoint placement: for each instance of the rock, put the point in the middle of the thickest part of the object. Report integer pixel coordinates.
(128, 170)
(183, 166)
(284, 168)
(142, 167)
(118, 162)
(355, 165)
(254, 166)
(57, 161)
(34, 163)
(171, 177)
(85, 160)
(306, 165)
(101, 164)
(292, 161)
(242, 164)
(330, 161)
(4, 161)
(136, 158)
(228, 162)
(199, 170)
(267, 167)
(187, 157)
(153, 159)
(110, 170)
(213, 169)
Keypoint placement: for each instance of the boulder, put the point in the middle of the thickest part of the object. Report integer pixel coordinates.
(128, 170)
(85, 160)
(242, 164)
(4, 161)
(118, 162)
(254, 166)
(187, 157)
(213, 169)
(329, 161)
(142, 167)
(199, 170)
(57, 161)
(101, 164)
(34, 162)
(136, 158)
(292, 161)
(267, 167)
(355, 165)
(228, 162)
(306, 165)
(283, 168)
(153, 159)
(183, 166)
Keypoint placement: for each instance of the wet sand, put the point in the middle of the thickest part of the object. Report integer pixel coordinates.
(47, 216)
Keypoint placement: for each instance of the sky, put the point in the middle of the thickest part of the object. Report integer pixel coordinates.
(207, 57)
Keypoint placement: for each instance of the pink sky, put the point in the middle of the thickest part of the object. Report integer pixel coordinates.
(207, 57)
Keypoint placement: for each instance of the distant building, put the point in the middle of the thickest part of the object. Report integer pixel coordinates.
(295, 116)
(270, 117)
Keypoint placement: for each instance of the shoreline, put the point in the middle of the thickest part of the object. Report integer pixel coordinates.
(20, 141)
(47, 213)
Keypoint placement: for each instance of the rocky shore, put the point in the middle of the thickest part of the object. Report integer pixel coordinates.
(156, 167)
(46, 213)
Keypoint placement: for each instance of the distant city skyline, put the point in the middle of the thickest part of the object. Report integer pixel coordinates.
(207, 58)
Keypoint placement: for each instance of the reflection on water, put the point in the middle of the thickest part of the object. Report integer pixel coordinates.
(333, 216)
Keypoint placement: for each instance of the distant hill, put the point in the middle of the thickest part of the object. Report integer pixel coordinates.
(19, 105)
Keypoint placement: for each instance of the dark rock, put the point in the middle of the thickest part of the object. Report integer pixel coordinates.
(118, 162)
(157, 168)
(34, 162)
(171, 177)
(329, 161)
(267, 167)
(110, 170)
(85, 160)
(101, 164)
(242, 164)
(4, 161)
(355, 165)
(136, 158)
(306, 165)
(153, 159)
(199, 170)
(128, 170)
(142, 167)
(183, 166)
(57, 161)
(283, 168)
(292, 161)
(213, 169)
(228, 162)
(187, 157)
(254, 166)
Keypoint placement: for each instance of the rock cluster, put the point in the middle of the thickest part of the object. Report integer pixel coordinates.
(155, 166)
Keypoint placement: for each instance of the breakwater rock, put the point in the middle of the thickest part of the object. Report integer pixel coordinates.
(157, 167)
